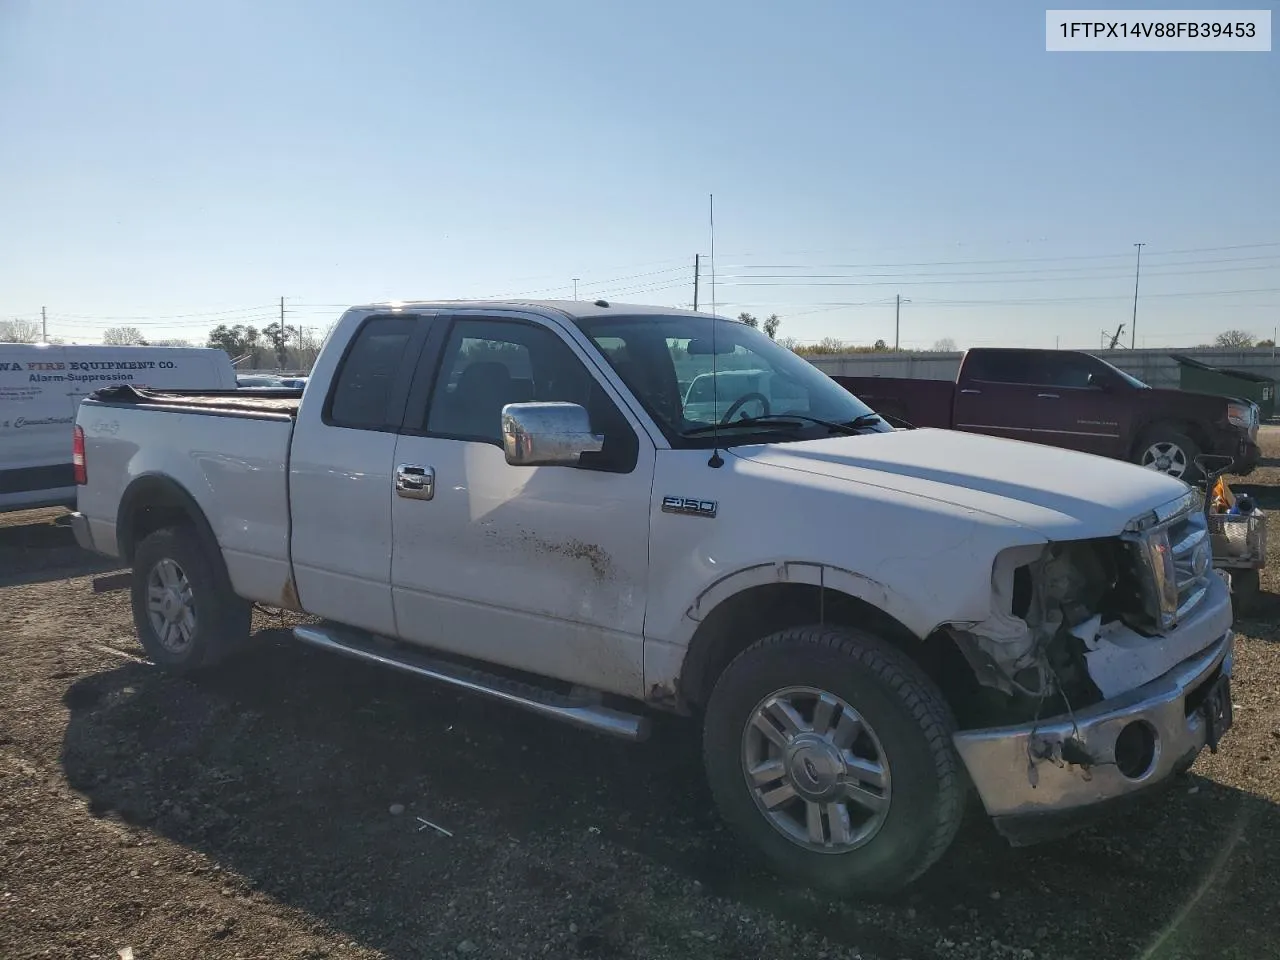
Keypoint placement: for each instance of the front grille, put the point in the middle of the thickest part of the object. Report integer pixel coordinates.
(1192, 567)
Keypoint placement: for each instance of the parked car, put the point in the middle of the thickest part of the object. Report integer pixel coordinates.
(257, 381)
(1066, 398)
(40, 387)
(514, 499)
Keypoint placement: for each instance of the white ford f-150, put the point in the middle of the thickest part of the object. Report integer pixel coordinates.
(873, 624)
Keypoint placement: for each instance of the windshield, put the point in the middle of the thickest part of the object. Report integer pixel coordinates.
(1131, 380)
(667, 362)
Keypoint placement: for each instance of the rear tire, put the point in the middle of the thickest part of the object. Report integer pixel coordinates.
(184, 610)
(1169, 451)
(865, 809)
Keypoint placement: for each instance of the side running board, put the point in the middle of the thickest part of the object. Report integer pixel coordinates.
(580, 712)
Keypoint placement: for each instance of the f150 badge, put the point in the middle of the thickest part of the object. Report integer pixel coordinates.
(690, 506)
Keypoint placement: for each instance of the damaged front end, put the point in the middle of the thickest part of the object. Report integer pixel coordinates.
(1085, 620)
(1088, 661)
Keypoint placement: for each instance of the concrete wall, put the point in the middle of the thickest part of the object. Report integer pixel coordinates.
(1154, 367)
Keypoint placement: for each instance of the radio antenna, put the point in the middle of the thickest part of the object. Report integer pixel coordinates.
(716, 460)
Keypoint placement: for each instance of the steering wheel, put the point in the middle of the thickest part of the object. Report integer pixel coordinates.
(738, 404)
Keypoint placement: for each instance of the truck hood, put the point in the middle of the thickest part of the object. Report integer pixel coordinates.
(1061, 494)
(1207, 401)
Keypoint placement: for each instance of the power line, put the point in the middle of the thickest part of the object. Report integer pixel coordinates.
(1054, 259)
(898, 280)
(1022, 301)
(1174, 267)
(171, 316)
(61, 320)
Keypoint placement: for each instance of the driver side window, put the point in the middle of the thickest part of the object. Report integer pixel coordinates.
(488, 364)
(1065, 371)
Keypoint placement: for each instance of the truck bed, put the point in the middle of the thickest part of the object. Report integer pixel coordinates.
(228, 450)
(269, 403)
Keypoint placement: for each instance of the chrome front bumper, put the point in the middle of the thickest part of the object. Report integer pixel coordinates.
(1019, 770)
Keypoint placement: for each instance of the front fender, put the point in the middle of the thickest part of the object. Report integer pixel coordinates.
(830, 577)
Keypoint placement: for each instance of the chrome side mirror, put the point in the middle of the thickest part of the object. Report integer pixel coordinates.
(547, 434)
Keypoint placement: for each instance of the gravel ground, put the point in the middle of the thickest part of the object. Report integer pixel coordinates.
(273, 810)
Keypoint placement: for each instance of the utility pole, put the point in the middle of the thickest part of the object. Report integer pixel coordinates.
(575, 287)
(282, 315)
(697, 262)
(1133, 326)
(44, 325)
(897, 311)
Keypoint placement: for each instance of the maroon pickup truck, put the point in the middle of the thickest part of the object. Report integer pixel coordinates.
(1065, 398)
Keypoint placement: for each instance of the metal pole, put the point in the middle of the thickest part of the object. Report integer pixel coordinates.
(44, 325)
(897, 311)
(711, 203)
(697, 258)
(575, 287)
(1133, 327)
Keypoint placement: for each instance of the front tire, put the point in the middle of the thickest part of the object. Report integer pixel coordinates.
(1166, 450)
(184, 610)
(830, 751)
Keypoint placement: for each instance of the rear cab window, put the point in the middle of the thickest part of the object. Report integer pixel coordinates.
(368, 390)
(999, 366)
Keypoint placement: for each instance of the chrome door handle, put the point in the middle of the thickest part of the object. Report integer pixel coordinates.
(415, 482)
(970, 390)
(1047, 396)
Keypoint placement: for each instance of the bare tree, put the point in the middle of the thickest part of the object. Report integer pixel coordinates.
(1235, 339)
(945, 345)
(825, 345)
(169, 343)
(311, 339)
(19, 331)
(123, 337)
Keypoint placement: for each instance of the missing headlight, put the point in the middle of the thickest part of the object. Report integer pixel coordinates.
(1025, 648)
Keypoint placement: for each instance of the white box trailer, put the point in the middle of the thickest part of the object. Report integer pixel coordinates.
(41, 386)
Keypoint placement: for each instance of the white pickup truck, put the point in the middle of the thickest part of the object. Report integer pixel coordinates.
(873, 624)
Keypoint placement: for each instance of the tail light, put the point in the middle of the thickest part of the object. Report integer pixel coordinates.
(77, 456)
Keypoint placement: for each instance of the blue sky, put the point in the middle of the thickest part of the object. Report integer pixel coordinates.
(179, 164)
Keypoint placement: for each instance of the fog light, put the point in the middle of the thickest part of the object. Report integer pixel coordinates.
(1136, 749)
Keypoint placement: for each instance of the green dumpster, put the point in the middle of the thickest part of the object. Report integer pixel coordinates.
(1199, 377)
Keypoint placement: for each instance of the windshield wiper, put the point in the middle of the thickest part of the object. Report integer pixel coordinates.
(788, 420)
